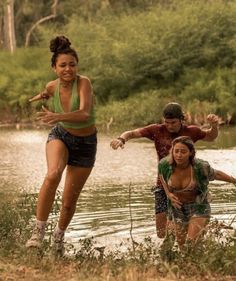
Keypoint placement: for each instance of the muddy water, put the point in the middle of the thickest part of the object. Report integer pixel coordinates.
(104, 207)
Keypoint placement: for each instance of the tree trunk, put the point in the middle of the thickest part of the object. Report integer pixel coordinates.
(46, 18)
(7, 27)
(1, 27)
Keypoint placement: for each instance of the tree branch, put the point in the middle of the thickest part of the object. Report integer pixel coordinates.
(53, 15)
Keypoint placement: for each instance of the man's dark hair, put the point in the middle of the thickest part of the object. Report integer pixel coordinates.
(173, 110)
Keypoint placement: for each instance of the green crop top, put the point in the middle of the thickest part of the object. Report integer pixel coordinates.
(75, 104)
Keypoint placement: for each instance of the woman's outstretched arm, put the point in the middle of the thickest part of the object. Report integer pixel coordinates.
(45, 94)
(219, 175)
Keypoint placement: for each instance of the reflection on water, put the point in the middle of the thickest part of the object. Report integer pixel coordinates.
(225, 140)
(103, 210)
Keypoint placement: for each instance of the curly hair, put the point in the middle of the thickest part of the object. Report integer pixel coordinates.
(61, 45)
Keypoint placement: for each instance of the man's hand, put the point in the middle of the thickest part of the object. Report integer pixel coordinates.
(47, 116)
(116, 143)
(212, 132)
(213, 120)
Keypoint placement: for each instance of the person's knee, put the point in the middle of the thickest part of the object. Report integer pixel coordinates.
(68, 207)
(53, 177)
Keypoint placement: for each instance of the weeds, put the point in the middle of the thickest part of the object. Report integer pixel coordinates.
(214, 255)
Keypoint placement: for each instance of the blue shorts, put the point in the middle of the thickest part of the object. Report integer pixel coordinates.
(189, 210)
(160, 200)
(82, 150)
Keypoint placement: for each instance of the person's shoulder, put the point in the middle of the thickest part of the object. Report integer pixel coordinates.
(83, 79)
(52, 83)
(204, 168)
(201, 162)
(191, 127)
(165, 161)
(164, 166)
(160, 125)
(195, 132)
(51, 86)
(83, 82)
(155, 126)
(161, 128)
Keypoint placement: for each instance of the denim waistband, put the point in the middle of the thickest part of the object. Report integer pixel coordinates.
(64, 133)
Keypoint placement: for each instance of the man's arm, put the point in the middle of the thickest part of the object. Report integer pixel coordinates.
(212, 133)
(124, 137)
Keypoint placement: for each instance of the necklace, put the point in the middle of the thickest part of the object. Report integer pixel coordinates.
(66, 85)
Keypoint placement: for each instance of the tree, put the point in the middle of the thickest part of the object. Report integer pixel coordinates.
(7, 26)
(43, 19)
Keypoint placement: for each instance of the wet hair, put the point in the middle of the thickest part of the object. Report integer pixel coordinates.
(186, 141)
(61, 45)
(173, 110)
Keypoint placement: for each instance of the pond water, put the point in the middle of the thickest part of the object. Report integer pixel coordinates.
(103, 209)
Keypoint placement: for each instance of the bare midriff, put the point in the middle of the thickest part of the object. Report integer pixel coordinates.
(83, 132)
(186, 196)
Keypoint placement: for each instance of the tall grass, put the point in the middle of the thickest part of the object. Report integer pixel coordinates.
(214, 256)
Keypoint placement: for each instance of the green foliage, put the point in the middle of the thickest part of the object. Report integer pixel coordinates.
(22, 77)
(170, 50)
(15, 214)
(27, 13)
(209, 91)
(213, 255)
(184, 50)
(137, 110)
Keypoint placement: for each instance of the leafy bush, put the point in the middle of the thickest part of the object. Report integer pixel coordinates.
(181, 50)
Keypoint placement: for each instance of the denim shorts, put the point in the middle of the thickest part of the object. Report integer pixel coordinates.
(189, 210)
(82, 150)
(160, 200)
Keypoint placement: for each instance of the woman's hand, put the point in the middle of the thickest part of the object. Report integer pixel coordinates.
(174, 200)
(43, 95)
(47, 116)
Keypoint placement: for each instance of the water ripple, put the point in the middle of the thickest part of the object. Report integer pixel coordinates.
(103, 209)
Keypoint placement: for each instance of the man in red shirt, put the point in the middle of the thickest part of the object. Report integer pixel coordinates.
(162, 135)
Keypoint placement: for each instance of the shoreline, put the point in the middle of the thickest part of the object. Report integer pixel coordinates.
(38, 125)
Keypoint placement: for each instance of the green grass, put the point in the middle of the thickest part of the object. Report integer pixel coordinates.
(214, 257)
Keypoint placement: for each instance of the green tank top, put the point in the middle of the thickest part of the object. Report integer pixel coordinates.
(74, 105)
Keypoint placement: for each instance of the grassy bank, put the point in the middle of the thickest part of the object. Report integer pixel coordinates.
(213, 259)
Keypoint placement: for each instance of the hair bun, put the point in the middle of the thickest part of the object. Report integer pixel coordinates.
(59, 43)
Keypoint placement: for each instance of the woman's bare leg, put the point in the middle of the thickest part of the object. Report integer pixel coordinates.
(161, 224)
(57, 155)
(196, 228)
(181, 233)
(74, 182)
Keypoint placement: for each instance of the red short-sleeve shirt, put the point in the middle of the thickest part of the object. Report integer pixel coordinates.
(163, 138)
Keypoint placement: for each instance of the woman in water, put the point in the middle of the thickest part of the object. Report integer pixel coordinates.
(185, 180)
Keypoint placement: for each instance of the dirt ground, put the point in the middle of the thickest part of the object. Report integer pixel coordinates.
(69, 272)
